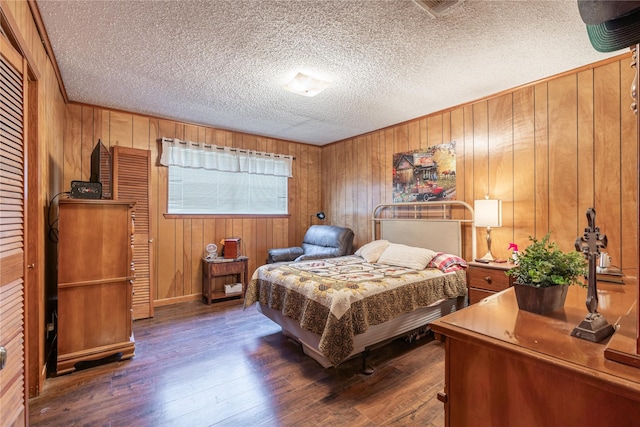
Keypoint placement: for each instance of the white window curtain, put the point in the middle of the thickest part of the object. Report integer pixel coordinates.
(205, 179)
(187, 154)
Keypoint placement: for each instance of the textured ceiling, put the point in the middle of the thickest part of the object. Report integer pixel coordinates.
(223, 63)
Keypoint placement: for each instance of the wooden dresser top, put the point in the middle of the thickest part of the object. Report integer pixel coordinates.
(497, 321)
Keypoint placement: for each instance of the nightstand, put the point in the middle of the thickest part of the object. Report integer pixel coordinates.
(484, 280)
(223, 267)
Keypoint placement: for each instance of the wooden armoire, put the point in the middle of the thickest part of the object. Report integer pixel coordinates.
(95, 274)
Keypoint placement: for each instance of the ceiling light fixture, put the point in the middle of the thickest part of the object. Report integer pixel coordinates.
(436, 8)
(306, 85)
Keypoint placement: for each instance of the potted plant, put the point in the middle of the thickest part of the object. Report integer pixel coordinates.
(543, 274)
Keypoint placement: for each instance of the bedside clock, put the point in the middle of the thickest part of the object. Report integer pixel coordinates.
(212, 251)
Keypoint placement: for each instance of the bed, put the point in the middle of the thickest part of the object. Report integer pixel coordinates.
(337, 308)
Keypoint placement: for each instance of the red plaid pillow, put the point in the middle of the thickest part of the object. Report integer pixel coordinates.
(447, 262)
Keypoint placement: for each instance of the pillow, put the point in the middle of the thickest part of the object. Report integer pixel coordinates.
(447, 262)
(372, 250)
(406, 256)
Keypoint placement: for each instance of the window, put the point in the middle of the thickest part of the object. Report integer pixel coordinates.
(207, 179)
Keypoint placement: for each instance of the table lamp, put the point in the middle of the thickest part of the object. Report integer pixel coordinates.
(488, 213)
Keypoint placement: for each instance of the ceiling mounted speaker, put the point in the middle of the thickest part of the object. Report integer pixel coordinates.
(437, 8)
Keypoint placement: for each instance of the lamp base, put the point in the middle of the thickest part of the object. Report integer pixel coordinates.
(488, 257)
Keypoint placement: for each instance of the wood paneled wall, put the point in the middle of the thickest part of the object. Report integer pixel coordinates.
(548, 150)
(179, 243)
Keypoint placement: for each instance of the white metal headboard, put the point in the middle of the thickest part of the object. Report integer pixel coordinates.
(425, 224)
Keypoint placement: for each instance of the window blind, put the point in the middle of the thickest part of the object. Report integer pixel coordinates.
(221, 180)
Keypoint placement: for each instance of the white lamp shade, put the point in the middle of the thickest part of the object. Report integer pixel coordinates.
(488, 213)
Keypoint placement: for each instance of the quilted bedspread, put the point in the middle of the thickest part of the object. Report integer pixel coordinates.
(338, 298)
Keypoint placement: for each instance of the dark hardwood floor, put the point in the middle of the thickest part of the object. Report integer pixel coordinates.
(199, 365)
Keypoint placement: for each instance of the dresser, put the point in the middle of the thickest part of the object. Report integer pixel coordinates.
(484, 280)
(95, 275)
(506, 367)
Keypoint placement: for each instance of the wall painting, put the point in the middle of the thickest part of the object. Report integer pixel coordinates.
(425, 175)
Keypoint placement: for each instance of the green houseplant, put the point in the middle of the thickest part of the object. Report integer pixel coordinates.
(543, 274)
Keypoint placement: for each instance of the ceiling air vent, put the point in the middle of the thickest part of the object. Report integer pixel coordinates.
(436, 8)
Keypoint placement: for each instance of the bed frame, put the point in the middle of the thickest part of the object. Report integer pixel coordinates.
(423, 224)
(436, 225)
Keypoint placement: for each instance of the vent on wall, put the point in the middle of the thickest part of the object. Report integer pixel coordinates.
(437, 8)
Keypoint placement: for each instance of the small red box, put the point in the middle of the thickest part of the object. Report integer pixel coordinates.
(232, 247)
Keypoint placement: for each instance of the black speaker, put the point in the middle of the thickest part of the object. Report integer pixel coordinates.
(86, 190)
(101, 168)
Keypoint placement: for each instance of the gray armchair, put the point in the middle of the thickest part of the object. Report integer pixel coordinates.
(320, 241)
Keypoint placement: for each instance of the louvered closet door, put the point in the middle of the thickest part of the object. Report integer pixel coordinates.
(12, 221)
(132, 181)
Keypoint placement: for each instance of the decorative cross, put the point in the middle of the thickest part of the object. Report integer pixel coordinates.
(594, 327)
(590, 244)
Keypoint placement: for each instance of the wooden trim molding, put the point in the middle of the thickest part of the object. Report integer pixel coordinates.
(44, 37)
(187, 123)
(495, 95)
(10, 27)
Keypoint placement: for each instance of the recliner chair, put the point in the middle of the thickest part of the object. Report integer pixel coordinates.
(320, 241)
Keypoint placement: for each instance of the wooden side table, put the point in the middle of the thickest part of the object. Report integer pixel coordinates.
(223, 267)
(484, 280)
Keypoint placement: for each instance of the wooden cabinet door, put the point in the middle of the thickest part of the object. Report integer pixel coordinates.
(132, 181)
(13, 401)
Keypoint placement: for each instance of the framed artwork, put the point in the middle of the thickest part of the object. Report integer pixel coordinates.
(424, 175)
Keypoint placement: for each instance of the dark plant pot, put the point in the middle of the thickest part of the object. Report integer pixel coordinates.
(540, 300)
